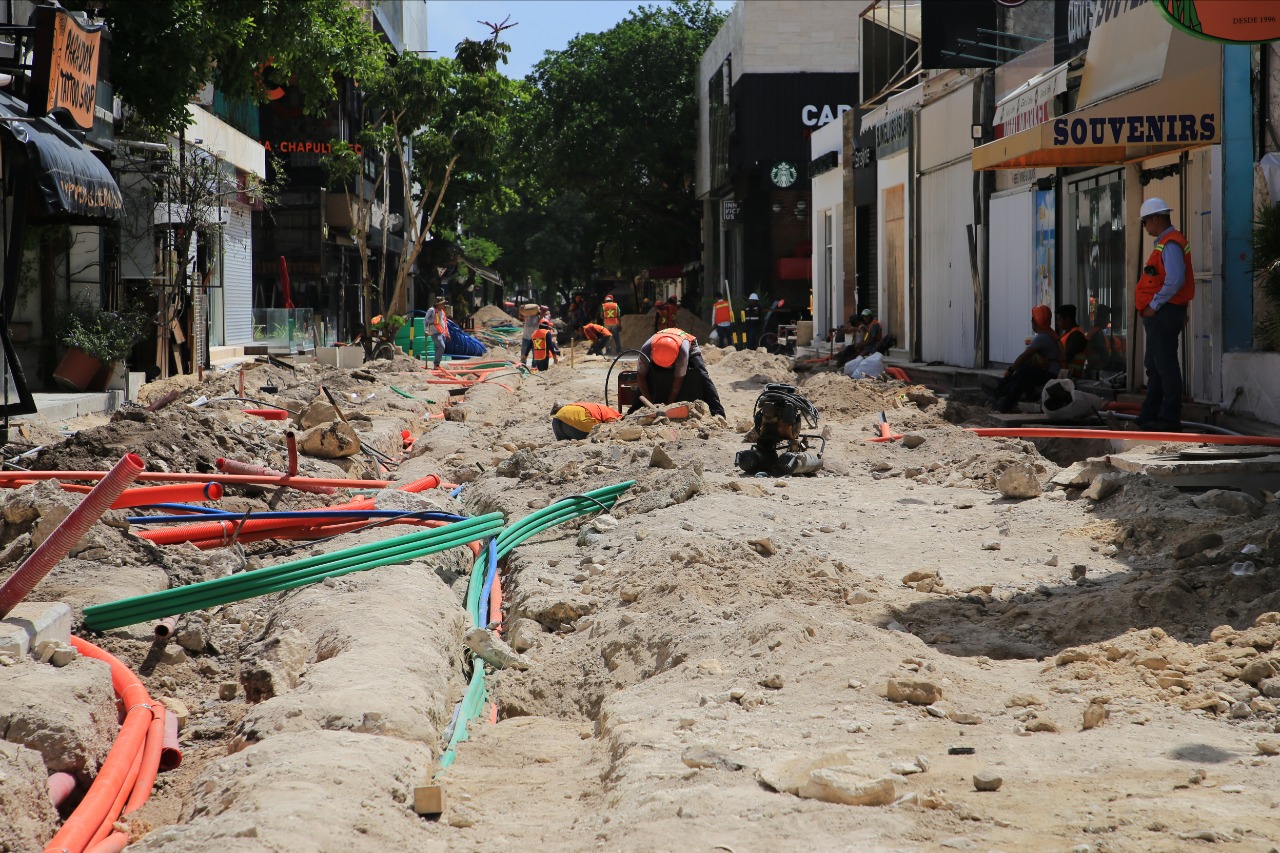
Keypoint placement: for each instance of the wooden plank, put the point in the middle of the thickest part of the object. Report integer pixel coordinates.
(429, 800)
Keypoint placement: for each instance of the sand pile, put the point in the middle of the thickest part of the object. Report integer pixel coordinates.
(752, 364)
(489, 316)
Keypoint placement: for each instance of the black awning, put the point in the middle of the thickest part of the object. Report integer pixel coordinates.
(71, 185)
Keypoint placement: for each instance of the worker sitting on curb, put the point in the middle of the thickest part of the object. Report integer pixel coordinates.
(671, 368)
(599, 337)
(1037, 365)
(544, 346)
(572, 421)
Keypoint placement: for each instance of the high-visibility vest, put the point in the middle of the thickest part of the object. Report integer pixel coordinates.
(721, 313)
(441, 324)
(602, 414)
(873, 325)
(595, 330)
(679, 334)
(1150, 283)
(610, 311)
(1076, 365)
(667, 314)
(540, 345)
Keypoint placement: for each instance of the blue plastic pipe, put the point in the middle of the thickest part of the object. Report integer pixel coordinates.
(489, 576)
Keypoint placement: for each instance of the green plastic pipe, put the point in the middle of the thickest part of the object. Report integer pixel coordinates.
(472, 527)
(472, 701)
(194, 599)
(404, 393)
(287, 575)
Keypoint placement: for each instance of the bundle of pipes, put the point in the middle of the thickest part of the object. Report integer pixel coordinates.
(125, 780)
(217, 532)
(484, 585)
(148, 496)
(9, 478)
(238, 587)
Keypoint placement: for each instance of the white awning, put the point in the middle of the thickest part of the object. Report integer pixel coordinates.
(910, 99)
(1030, 103)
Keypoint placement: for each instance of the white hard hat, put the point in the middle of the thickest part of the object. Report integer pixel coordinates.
(754, 296)
(1155, 205)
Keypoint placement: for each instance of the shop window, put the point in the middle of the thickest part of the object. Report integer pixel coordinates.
(1096, 226)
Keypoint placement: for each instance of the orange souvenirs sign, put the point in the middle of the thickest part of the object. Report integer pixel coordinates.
(65, 66)
(1230, 21)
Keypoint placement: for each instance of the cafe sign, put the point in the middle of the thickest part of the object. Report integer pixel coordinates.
(1229, 21)
(64, 75)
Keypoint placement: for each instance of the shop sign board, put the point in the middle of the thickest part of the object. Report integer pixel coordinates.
(783, 174)
(1229, 21)
(892, 133)
(1093, 130)
(64, 73)
(729, 210)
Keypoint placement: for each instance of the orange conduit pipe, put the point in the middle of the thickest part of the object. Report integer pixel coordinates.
(1124, 435)
(170, 751)
(300, 483)
(268, 414)
(108, 839)
(60, 787)
(95, 809)
(233, 466)
(70, 531)
(172, 493)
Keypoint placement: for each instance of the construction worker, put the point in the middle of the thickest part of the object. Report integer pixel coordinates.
(722, 319)
(599, 337)
(572, 421)
(544, 346)
(1163, 293)
(1075, 343)
(437, 323)
(666, 314)
(612, 316)
(751, 321)
(671, 368)
(1037, 364)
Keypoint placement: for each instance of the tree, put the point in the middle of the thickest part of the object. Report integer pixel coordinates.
(614, 118)
(163, 52)
(435, 118)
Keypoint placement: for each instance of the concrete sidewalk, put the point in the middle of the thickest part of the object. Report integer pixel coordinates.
(55, 407)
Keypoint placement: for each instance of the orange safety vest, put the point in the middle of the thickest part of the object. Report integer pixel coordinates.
(595, 330)
(721, 313)
(1076, 365)
(540, 345)
(874, 324)
(679, 334)
(610, 311)
(1150, 283)
(441, 324)
(667, 314)
(602, 414)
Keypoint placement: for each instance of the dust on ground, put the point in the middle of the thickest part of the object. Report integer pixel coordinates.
(728, 660)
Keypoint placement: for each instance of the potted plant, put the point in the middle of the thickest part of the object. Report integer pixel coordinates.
(96, 339)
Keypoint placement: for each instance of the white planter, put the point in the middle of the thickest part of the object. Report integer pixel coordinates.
(343, 357)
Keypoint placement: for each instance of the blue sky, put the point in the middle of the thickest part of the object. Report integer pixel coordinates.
(543, 24)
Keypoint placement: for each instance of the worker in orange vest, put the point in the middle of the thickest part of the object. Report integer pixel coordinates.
(722, 319)
(437, 323)
(671, 368)
(1075, 343)
(544, 346)
(612, 316)
(570, 421)
(666, 314)
(599, 337)
(1167, 286)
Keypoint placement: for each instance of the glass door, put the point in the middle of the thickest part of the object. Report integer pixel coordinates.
(1098, 283)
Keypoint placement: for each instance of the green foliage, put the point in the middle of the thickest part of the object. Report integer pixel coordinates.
(613, 118)
(164, 51)
(106, 335)
(388, 324)
(1266, 265)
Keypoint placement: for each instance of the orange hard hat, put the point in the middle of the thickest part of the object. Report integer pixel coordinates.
(665, 349)
(1042, 315)
(608, 297)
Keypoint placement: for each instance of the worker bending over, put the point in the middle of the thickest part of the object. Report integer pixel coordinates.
(599, 337)
(671, 368)
(572, 421)
(544, 346)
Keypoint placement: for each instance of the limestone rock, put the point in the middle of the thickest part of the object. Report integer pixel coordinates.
(492, 650)
(1094, 715)
(335, 440)
(773, 682)
(1018, 481)
(1080, 474)
(1268, 746)
(525, 634)
(1196, 544)
(914, 691)
(29, 817)
(1041, 724)
(659, 458)
(66, 715)
(912, 440)
(1229, 502)
(317, 413)
(275, 665)
(987, 780)
(846, 786)
(1105, 485)
(786, 776)
(1257, 670)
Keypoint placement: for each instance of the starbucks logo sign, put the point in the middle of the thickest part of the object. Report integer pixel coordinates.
(783, 174)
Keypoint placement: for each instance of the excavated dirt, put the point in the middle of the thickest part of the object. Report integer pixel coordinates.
(721, 663)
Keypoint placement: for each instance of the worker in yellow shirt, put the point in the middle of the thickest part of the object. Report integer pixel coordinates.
(570, 421)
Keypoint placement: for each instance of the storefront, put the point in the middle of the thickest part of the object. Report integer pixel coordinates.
(894, 126)
(1146, 124)
(827, 185)
(860, 249)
